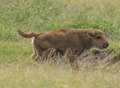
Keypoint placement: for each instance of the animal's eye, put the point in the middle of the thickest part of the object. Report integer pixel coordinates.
(98, 37)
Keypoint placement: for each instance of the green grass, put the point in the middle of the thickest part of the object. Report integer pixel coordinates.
(17, 69)
(14, 51)
(43, 15)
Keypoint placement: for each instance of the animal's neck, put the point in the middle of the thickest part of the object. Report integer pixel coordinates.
(87, 44)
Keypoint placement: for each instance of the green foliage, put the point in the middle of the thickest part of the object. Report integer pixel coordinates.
(43, 15)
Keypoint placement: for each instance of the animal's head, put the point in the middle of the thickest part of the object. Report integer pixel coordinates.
(98, 39)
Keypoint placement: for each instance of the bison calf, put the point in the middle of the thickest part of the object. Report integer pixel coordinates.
(76, 39)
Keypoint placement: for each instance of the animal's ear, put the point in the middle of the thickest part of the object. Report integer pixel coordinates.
(91, 34)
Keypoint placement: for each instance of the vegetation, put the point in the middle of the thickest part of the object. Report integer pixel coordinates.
(18, 70)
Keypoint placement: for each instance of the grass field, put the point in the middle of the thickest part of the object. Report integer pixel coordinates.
(18, 70)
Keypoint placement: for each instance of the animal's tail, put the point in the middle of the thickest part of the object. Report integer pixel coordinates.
(28, 34)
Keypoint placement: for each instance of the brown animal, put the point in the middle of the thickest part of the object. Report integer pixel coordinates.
(76, 39)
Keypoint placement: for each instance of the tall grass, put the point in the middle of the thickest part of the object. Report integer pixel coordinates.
(43, 15)
(18, 70)
(43, 76)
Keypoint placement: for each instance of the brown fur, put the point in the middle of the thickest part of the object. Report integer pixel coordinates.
(78, 40)
(28, 34)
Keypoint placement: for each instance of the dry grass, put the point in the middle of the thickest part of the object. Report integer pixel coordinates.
(17, 70)
(23, 75)
(89, 60)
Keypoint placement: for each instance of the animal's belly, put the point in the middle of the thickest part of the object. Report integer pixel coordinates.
(62, 44)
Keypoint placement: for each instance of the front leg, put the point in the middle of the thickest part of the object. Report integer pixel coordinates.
(72, 57)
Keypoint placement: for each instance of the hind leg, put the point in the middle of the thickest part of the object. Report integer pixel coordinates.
(38, 54)
(34, 55)
(37, 51)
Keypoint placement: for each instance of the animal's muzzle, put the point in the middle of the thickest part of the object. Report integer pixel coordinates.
(105, 45)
